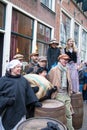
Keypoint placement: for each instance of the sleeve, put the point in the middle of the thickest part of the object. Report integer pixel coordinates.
(52, 77)
(6, 96)
(49, 58)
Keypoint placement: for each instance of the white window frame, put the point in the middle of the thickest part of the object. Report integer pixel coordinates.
(51, 2)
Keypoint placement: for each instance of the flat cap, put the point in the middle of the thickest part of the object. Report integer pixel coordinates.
(18, 56)
(34, 54)
(63, 56)
(42, 58)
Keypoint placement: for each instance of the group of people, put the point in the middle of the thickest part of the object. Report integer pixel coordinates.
(60, 68)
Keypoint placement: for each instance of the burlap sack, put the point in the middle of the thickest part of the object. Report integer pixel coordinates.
(41, 82)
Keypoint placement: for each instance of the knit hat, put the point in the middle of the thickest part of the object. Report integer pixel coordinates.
(12, 64)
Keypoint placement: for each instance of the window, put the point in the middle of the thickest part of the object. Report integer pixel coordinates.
(65, 29)
(2, 15)
(22, 32)
(43, 32)
(76, 34)
(43, 37)
(20, 45)
(50, 4)
(21, 23)
(42, 48)
(84, 45)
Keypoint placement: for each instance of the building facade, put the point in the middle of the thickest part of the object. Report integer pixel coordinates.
(28, 25)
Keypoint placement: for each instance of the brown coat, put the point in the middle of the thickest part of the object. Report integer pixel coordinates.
(54, 76)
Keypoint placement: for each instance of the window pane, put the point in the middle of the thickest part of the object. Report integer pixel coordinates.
(76, 34)
(21, 23)
(20, 45)
(42, 49)
(84, 45)
(2, 15)
(65, 28)
(48, 3)
(43, 33)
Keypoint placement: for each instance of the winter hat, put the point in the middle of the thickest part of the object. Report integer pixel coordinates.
(12, 64)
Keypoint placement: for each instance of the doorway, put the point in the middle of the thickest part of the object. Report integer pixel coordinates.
(1, 52)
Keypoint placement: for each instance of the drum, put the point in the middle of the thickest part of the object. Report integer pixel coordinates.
(39, 123)
(77, 104)
(52, 108)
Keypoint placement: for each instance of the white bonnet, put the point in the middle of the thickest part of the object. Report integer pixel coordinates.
(12, 64)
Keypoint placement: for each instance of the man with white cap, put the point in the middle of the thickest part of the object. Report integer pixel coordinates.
(15, 95)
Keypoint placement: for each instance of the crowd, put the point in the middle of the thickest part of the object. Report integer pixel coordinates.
(57, 75)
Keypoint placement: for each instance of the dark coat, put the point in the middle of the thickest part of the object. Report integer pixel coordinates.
(52, 56)
(18, 89)
(72, 55)
(30, 67)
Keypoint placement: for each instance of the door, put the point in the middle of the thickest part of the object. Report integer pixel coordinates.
(1, 52)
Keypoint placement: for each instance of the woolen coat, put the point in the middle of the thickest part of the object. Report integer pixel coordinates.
(17, 88)
(54, 76)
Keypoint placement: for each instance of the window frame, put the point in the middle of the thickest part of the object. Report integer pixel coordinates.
(50, 7)
(4, 16)
(24, 36)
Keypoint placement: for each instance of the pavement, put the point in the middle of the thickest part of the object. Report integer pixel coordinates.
(84, 125)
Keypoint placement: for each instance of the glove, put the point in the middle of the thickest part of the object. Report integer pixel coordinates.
(48, 94)
(11, 101)
(35, 89)
(38, 104)
(55, 88)
(50, 91)
(51, 126)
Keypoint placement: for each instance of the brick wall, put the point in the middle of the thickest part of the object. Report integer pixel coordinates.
(34, 7)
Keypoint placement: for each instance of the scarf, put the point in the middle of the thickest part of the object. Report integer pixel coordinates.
(63, 75)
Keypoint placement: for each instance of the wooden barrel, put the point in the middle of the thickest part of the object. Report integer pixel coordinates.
(52, 108)
(39, 123)
(77, 103)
